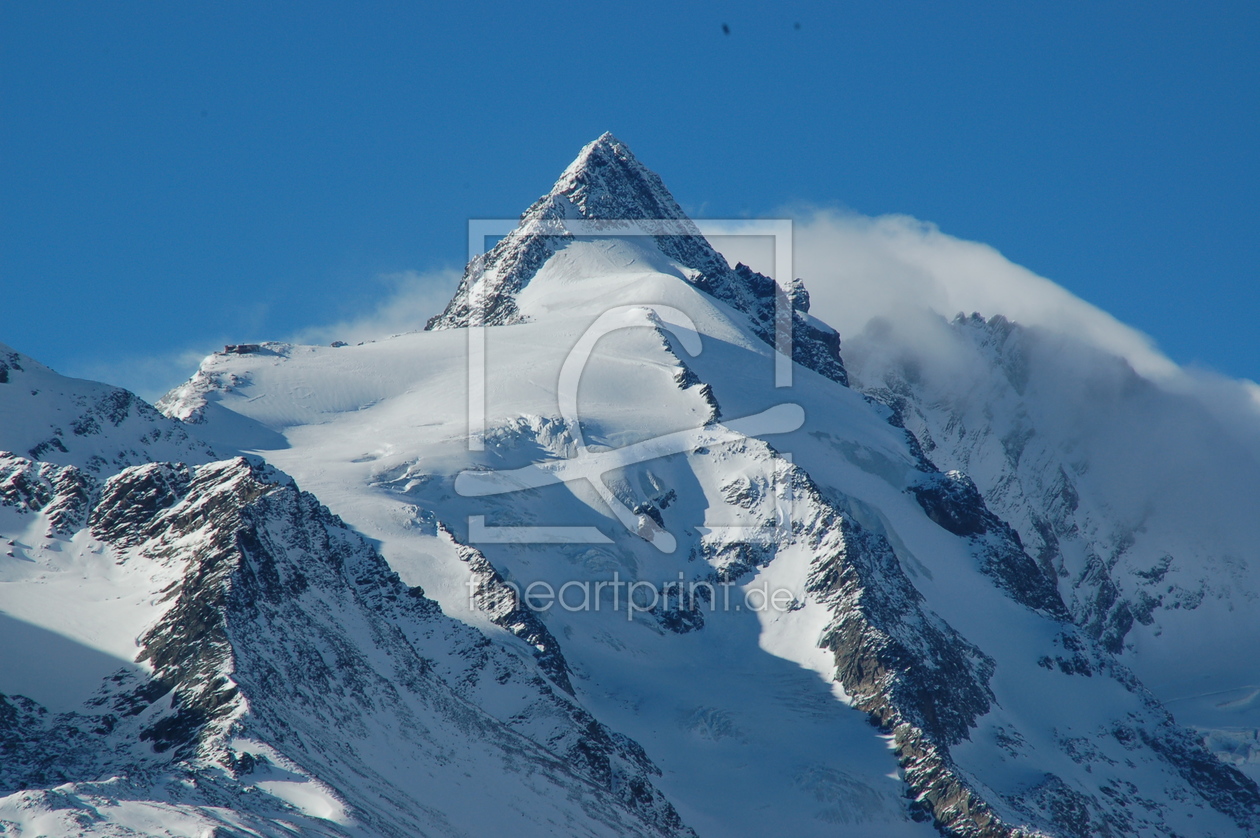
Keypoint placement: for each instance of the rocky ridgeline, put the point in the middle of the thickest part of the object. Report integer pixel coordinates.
(285, 627)
(606, 183)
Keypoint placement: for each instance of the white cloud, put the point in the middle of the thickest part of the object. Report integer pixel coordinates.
(891, 284)
(411, 299)
(406, 301)
(148, 376)
(857, 268)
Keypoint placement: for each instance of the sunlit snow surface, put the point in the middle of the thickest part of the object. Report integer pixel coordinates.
(384, 432)
(72, 609)
(70, 613)
(741, 715)
(1141, 491)
(361, 710)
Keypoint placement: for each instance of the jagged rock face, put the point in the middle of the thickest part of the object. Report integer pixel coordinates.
(1128, 492)
(606, 183)
(918, 670)
(95, 427)
(953, 501)
(63, 494)
(285, 629)
(505, 608)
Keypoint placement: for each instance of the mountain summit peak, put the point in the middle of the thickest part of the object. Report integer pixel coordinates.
(600, 151)
(603, 145)
(607, 183)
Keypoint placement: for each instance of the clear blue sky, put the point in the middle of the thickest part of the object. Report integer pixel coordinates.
(176, 175)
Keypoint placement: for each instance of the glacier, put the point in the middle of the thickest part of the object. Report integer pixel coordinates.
(291, 599)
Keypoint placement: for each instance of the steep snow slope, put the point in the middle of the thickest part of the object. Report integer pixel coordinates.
(70, 616)
(607, 188)
(902, 595)
(94, 427)
(1129, 489)
(192, 648)
(713, 709)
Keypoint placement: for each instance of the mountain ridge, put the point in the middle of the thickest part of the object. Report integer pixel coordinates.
(608, 188)
(923, 671)
(863, 596)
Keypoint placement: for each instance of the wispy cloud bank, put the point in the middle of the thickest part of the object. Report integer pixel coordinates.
(410, 299)
(403, 303)
(891, 286)
(858, 268)
(148, 376)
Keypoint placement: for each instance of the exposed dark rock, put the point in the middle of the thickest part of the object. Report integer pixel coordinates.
(132, 500)
(608, 184)
(72, 497)
(253, 641)
(952, 501)
(899, 663)
(53, 443)
(496, 598)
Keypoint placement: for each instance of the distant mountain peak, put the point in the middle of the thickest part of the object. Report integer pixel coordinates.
(607, 183)
(65, 421)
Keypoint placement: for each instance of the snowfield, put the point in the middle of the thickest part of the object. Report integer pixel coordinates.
(868, 632)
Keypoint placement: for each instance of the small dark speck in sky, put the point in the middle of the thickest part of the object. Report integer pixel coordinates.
(726, 30)
(798, 25)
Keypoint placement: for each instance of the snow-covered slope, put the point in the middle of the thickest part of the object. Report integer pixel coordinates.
(202, 648)
(94, 427)
(834, 576)
(1130, 489)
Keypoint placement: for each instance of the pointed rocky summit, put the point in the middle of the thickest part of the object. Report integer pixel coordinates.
(608, 188)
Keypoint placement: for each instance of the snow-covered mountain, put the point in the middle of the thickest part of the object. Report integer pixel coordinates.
(94, 427)
(199, 645)
(657, 594)
(1131, 490)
